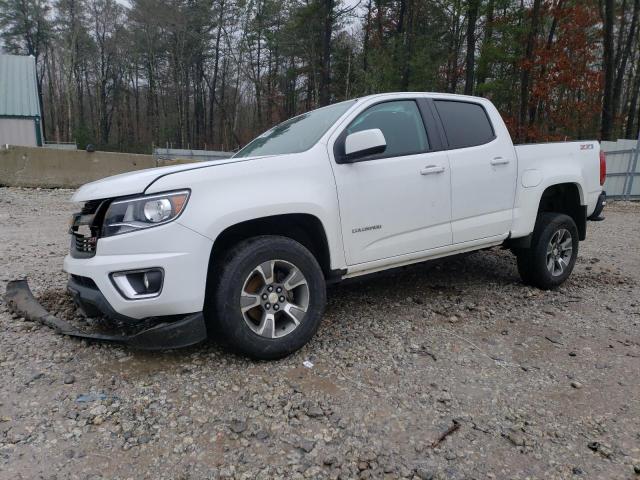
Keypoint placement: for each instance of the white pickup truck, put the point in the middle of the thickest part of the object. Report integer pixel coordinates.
(246, 245)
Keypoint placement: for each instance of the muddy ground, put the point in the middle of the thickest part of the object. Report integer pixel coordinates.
(445, 370)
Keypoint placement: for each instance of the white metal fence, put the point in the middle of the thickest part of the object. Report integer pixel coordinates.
(623, 170)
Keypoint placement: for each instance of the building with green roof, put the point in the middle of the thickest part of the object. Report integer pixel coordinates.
(20, 115)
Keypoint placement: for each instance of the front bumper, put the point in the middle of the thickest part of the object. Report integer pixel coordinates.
(180, 252)
(91, 300)
(178, 333)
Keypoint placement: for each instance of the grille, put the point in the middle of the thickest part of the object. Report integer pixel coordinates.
(84, 244)
(85, 229)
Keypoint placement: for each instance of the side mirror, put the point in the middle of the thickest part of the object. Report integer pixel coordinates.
(363, 143)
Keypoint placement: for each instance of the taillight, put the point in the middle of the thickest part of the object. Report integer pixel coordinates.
(603, 167)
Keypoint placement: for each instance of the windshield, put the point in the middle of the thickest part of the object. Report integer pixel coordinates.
(296, 134)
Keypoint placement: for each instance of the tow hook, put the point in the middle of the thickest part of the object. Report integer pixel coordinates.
(167, 335)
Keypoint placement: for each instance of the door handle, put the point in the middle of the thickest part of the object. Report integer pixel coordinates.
(431, 169)
(499, 161)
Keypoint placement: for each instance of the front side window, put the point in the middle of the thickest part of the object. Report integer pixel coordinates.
(400, 123)
(466, 124)
(296, 134)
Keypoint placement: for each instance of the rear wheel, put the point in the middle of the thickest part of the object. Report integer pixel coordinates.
(269, 298)
(550, 259)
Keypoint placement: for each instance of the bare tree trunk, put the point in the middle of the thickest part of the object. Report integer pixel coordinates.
(216, 63)
(136, 93)
(525, 77)
(325, 74)
(483, 64)
(609, 71)
(367, 35)
(407, 46)
(472, 18)
(453, 50)
(52, 96)
(536, 107)
(258, 80)
(43, 122)
(633, 111)
(624, 58)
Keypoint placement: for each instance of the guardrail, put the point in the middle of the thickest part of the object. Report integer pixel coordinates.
(169, 154)
(61, 145)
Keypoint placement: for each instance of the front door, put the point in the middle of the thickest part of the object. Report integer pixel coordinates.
(397, 202)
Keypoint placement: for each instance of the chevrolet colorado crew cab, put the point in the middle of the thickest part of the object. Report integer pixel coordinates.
(246, 245)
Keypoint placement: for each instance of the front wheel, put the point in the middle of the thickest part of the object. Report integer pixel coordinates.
(550, 259)
(269, 298)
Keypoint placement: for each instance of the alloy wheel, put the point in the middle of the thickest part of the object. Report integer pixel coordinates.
(274, 298)
(559, 252)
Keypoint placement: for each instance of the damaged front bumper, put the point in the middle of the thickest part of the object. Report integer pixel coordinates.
(178, 333)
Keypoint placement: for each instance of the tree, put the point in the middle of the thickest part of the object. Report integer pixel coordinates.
(328, 20)
(525, 76)
(472, 17)
(633, 113)
(106, 31)
(609, 71)
(487, 42)
(214, 73)
(567, 82)
(623, 55)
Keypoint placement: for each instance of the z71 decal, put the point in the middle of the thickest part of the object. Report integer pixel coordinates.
(586, 146)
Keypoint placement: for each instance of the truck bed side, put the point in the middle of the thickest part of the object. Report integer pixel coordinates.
(541, 166)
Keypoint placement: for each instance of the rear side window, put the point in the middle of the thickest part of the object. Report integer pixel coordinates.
(465, 124)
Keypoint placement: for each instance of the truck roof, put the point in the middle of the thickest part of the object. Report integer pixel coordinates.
(431, 94)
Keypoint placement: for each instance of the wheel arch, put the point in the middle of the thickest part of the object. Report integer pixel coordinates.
(304, 228)
(567, 198)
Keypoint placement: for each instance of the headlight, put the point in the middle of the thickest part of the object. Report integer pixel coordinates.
(143, 212)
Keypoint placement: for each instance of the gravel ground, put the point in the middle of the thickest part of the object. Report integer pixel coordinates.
(444, 370)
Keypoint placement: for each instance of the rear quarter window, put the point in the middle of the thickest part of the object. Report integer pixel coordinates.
(466, 124)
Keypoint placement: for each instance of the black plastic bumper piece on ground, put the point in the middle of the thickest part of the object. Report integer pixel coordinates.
(176, 334)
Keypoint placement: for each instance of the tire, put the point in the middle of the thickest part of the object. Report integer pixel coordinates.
(266, 270)
(546, 265)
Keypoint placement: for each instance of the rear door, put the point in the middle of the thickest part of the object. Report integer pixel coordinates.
(483, 171)
(397, 202)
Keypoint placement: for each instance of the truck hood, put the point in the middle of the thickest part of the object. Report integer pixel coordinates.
(137, 182)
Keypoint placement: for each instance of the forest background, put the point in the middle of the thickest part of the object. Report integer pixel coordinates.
(212, 74)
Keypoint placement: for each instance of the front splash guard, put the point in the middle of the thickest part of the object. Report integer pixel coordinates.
(180, 333)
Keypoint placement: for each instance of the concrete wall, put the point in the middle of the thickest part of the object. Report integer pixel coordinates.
(44, 167)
